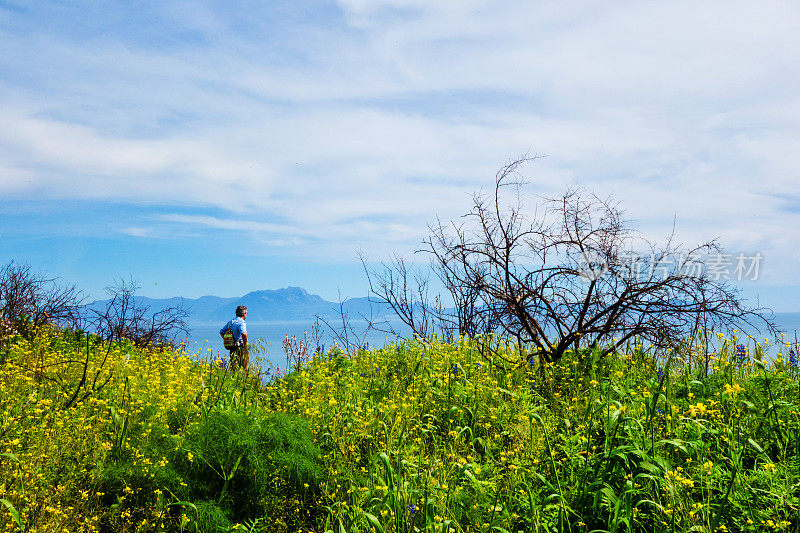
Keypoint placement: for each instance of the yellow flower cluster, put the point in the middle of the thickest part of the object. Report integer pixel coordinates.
(443, 422)
(733, 390)
(678, 478)
(62, 402)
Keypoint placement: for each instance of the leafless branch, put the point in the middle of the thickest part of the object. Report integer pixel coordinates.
(30, 299)
(570, 272)
(124, 318)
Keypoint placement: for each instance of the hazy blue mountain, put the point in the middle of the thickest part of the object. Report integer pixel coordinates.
(290, 303)
(203, 306)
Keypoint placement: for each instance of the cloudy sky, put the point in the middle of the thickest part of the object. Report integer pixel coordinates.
(222, 147)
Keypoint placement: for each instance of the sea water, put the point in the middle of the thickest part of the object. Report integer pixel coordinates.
(267, 337)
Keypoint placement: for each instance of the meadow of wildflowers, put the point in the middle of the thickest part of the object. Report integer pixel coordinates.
(416, 436)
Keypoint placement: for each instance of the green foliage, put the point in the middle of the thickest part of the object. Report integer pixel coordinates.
(209, 518)
(439, 436)
(415, 437)
(246, 462)
(234, 465)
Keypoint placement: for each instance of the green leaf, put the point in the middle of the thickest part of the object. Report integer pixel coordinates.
(187, 504)
(469, 476)
(373, 521)
(508, 392)
(678, 443)
(695, 383)
(608, 496)
(14, 513)
(388, 468)
(657, 506)
(545, 481)
(755, 445)
(652, 468)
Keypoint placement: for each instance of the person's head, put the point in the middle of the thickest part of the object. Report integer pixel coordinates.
(241, 311)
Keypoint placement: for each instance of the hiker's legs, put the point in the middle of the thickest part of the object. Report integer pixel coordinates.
(239, 358)
(244, 357)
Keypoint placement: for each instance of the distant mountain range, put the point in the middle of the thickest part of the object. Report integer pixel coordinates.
(291, 303)
(296, 304)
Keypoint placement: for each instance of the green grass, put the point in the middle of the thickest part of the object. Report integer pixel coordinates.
(414, 437)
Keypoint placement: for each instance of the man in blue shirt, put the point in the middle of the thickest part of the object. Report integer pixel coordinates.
(239, 355)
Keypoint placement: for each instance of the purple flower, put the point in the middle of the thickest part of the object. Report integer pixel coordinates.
(741, 353)
(310, 387)
(412, 510)
(793, 359)
(660, 375)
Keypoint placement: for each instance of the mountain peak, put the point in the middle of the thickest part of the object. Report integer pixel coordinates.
(288, 294)
(288, 303)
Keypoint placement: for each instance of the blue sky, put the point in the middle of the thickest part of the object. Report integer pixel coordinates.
(222, 147)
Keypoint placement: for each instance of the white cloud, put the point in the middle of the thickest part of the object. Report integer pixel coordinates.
(145, 233)
(359, 132)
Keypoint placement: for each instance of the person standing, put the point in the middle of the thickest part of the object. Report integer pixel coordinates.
(238, 354)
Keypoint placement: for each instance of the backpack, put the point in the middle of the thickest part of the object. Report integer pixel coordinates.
(228, 340)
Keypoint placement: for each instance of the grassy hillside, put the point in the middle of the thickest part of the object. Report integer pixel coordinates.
(415, 437)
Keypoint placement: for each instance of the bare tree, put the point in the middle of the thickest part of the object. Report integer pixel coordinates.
(123, 317)
(407, 292)
(472, 313)
(350, 338)
(572, 272)
(30, 299)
